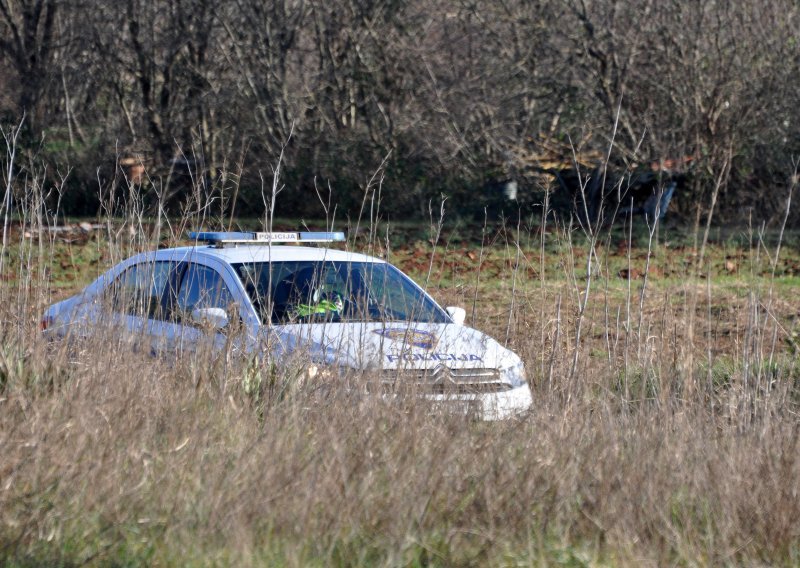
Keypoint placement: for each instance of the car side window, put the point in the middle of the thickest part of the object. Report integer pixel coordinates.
(139, 289)
(201, 287)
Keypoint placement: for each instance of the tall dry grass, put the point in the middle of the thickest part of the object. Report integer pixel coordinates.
(664, 429)
(109, 455)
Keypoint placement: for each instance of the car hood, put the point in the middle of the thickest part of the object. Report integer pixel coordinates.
(403, 345)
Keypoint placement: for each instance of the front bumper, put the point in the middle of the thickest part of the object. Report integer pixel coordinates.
(486, 406)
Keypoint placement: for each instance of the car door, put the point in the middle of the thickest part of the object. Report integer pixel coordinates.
(136, 300)
(202, 286)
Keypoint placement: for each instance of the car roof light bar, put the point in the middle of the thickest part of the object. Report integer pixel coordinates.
(259, 238)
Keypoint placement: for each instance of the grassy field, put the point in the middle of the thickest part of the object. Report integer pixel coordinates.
(664, 429)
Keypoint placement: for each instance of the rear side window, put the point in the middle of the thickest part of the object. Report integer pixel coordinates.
(140, 289)
(202, 287)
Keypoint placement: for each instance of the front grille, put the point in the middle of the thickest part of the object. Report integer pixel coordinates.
(443, 380)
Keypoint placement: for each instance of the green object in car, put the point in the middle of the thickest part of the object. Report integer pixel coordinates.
(321, 307)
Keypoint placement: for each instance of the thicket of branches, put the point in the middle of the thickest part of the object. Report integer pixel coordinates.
(456, 94)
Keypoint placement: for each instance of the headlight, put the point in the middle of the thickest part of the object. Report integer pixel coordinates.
(515, 374)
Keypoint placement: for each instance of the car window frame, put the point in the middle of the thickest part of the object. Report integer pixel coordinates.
(134, 264)
(223, 289)
(245, 310)
(390, 268)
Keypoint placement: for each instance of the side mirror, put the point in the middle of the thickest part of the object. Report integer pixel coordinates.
(216, 318)
(458, 315)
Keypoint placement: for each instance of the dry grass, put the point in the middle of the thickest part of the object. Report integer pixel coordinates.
(664, 429)
(652, 453)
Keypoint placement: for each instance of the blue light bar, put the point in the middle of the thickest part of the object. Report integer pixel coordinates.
(256, 238)
(322, 237)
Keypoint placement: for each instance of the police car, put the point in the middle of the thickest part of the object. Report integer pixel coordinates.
(278, 297)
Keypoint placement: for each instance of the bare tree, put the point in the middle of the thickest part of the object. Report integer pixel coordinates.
(457, 94)
(27, 39)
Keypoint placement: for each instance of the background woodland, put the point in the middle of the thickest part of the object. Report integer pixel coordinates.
(419, 98)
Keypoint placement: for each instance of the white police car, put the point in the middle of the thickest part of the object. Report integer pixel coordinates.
(344, 311)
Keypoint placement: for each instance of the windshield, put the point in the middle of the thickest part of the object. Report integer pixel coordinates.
(302, 291)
